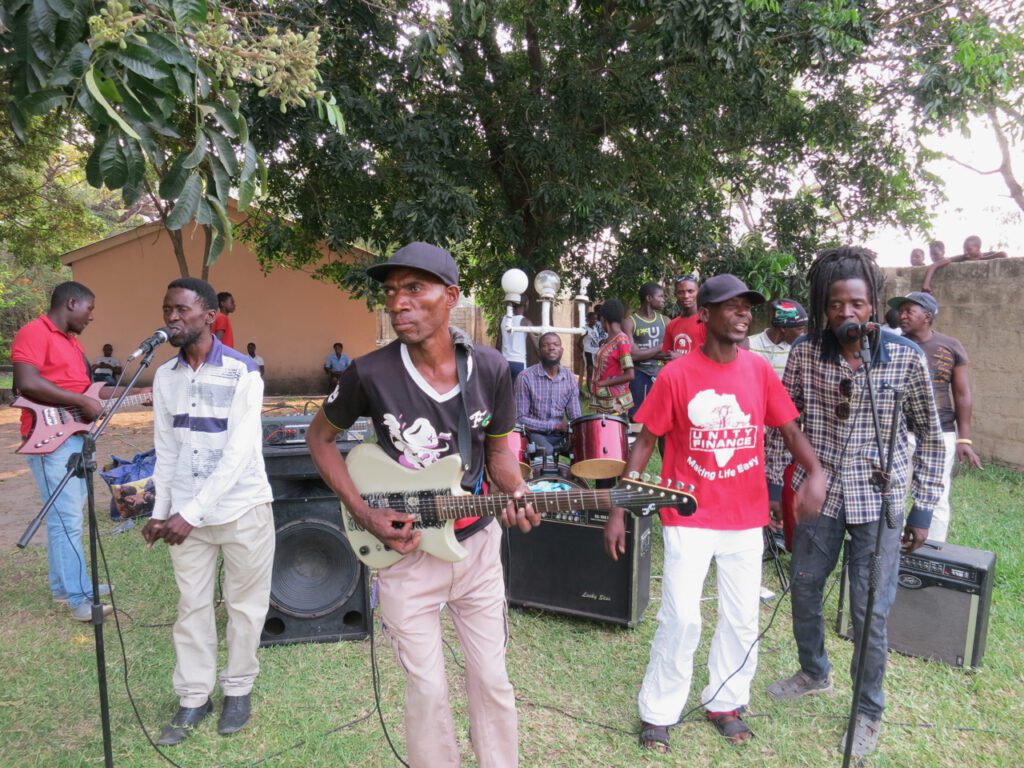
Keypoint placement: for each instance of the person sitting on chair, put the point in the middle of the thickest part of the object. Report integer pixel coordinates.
(547, 398)
(106, 368)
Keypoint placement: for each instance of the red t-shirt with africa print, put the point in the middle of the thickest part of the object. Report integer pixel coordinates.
(713, 417)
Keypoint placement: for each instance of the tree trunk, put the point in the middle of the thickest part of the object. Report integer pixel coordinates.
(1005, 167)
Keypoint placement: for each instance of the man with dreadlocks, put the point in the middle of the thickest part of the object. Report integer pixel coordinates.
(827, 382)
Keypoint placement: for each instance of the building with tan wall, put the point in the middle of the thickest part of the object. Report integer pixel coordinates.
(980, 304)
(292, 318)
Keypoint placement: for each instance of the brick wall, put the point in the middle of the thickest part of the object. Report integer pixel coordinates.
(982, 305)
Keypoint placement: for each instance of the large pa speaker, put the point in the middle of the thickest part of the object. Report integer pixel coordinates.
(319, 591)
(561, 567)
(942, 604)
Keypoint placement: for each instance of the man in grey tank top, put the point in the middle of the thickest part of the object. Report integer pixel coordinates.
(646, 329)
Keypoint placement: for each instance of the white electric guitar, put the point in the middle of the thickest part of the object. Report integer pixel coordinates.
(435, 496)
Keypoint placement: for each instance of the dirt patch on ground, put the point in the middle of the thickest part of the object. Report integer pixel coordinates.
(129, 433)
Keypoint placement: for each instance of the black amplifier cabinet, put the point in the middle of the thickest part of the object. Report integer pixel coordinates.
(942, 604)
(561, 567)
(319, 591)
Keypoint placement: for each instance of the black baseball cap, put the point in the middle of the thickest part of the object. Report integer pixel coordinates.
(422, 256)
(924, 300)
(788, 313)
(721, 288)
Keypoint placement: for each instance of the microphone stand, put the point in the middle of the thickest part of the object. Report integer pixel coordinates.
(882, 480)
(80, 465)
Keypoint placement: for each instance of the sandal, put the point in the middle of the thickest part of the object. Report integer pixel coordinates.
(654, 738)
(731, 726)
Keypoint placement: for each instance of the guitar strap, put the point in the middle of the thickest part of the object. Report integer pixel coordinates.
(465, 444)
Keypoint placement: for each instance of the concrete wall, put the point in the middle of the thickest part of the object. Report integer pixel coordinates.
(981, 304)
(292, 318)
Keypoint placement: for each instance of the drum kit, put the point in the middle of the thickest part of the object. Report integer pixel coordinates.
(599, 446)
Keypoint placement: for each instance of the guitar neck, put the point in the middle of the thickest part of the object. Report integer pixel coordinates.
(75, 413)
(546, 502)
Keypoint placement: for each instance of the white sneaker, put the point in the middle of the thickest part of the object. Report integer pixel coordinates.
(83, 611)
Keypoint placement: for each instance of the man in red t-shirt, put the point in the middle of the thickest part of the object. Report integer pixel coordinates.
(686, 332)
(50, 367)
(221, 322)
(712, 406)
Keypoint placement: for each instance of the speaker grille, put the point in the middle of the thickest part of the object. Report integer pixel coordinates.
(315, 571)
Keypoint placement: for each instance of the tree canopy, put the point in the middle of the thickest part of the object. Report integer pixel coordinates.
(615, 140)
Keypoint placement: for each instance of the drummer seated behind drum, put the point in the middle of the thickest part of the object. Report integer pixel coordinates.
(547, 398)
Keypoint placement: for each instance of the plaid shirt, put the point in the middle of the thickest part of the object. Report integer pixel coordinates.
(847, 448)
(543, 402)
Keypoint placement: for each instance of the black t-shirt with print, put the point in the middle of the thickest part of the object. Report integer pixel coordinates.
(415, 425)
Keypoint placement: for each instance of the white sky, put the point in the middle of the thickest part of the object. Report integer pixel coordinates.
(976, 204)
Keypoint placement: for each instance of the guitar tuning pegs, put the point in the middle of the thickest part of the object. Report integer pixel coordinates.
(646, 476)
(634, 475)
(680, 485)
(657, 479)
(691, 488)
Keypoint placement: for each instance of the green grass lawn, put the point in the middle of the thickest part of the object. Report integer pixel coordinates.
(576, 681)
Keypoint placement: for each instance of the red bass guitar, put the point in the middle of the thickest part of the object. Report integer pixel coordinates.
(54, 424)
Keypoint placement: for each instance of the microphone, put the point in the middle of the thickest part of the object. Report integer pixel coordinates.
(159, 337)
(851, 331)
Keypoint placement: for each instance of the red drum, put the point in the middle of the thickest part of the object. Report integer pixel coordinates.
(518, 444)
(599, 446)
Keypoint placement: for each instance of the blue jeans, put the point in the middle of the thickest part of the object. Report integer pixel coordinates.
(515, 369)
(638, 388)
(64, 523)
(816, 547)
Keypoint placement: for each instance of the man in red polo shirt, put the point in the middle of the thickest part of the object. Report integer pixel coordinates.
(50, 367)
(222, 323)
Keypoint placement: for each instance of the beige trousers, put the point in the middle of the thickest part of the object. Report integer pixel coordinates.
(247, 545)
(411, 593)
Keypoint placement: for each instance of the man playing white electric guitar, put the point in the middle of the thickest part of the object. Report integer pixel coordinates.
(411, 389)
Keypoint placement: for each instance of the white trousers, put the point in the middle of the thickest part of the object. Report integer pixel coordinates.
(733, 657)
(942, 513)
(247, 545)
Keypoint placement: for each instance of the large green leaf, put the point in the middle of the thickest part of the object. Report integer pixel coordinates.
(174, 180)
(170, 50)
(219, 180)
(225, 151)
(187, 203)
(195, 157)
(227, 119)
(246, 193)
(63, 8)
(113, 164)
(93, 174)
(94, 90)
(137, 60)
(223, 231)
(248, 161)
(41, 102)
(189, 11)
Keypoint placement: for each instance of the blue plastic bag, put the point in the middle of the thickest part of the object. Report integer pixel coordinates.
(131, 485)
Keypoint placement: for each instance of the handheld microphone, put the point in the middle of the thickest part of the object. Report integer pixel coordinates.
(851, 331)
(159, 337)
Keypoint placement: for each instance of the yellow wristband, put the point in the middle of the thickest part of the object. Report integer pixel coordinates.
(964, 441)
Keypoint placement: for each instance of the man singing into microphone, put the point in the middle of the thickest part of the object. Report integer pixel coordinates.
(212, 497)
(827, 381)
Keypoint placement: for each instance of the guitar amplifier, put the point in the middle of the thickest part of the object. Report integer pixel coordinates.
(942, 604)
(561, 567)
